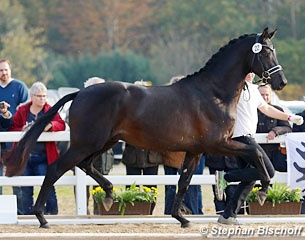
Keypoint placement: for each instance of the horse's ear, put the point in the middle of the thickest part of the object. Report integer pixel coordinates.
(264, 35)
(272, 34)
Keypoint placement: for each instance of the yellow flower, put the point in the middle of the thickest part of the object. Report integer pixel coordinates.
(277, 193)
(146, 189)
(129, 195)
(255, 189)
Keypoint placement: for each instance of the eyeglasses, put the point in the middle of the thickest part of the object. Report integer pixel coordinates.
(40, 96)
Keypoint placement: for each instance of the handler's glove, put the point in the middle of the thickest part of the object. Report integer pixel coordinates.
(296, 119)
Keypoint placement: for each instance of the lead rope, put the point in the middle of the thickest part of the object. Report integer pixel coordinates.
(246, 88)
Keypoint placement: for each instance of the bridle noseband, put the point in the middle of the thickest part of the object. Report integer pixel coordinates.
(266, 74)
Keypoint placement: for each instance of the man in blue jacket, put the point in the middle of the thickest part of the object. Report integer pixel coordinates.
(14, 92)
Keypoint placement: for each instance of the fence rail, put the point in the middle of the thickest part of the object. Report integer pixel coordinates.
(80, 180)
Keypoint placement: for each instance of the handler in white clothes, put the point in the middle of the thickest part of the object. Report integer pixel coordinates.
(245, 127)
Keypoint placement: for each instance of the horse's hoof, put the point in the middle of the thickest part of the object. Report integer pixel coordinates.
(185, 225)
(46, 226)
(261, 197)
(265, 185)
(107, 202)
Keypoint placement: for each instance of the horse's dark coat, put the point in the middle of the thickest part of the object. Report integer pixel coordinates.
(195, 115)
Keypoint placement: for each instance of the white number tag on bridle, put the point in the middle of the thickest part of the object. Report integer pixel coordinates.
(257, 47)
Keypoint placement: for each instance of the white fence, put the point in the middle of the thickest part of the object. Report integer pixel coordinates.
(81, 180)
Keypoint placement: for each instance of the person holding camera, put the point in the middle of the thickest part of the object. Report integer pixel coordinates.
(6, 115)
(13, 92)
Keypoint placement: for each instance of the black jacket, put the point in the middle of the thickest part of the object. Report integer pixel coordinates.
(266, 124)
(140, 158)
(300, 128)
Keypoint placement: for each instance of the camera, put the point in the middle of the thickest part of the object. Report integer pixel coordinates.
(1, 105)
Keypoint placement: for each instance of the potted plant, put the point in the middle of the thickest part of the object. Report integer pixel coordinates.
(130, 201)
(280, 200)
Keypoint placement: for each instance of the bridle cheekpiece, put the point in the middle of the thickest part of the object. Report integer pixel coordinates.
(266, 74)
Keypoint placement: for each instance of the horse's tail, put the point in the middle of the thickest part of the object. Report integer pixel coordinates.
(17, 159)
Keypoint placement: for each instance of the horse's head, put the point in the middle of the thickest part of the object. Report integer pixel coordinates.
(265, 63)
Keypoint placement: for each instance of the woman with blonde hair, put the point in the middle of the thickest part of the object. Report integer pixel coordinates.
(44, 153)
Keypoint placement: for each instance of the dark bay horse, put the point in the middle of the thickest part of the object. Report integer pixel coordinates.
(195, 115)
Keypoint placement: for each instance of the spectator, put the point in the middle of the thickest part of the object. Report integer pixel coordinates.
(44, 153)
(103, 162)
(172, 163)
(93, 80)
(273, 127)
(219, 166)
(141, 162)
(299, 128)
(6, 115)
(246, 123)
(13, 92)
(192, 201)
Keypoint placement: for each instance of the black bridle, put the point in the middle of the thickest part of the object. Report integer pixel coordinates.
(266, 74)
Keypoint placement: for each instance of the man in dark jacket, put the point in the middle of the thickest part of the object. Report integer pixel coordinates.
(273, 127)
(141, 162)
(299, 128)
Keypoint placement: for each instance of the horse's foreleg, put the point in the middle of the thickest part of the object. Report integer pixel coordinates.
(190, 163)
(102, 181)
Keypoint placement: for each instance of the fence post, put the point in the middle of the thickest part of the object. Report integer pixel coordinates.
(81, 192)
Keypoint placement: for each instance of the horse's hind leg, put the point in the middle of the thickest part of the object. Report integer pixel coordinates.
(189, 166)
(88, 167)
(54, 172)
(46, 186)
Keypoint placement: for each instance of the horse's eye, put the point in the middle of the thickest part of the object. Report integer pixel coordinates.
(265, 53)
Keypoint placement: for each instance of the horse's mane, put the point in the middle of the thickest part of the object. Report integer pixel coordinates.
(218, 54)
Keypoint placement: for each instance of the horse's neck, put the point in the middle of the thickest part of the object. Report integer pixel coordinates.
(229, 73)
(227, 87)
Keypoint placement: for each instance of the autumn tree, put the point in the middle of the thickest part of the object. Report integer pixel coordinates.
(99, 25)
(176, 36)
(22, 47)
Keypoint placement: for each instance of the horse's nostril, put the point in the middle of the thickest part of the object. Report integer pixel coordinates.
(283, 84)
